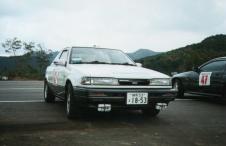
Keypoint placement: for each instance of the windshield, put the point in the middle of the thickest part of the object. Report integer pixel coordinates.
(99, 56)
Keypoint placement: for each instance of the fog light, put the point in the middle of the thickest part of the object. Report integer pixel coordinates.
(104, 108)
(161, 106)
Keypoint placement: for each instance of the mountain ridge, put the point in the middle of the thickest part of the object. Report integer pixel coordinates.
(142, 53)
(184, 58)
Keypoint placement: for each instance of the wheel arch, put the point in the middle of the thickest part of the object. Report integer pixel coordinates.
(68, 81)
(176, 78)
(180, 82)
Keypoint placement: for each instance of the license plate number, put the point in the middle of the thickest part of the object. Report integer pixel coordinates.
(137, 98)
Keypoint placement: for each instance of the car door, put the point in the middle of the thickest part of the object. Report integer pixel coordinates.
(211, 77)
(51, 75)
(59, 73)
(191, 81)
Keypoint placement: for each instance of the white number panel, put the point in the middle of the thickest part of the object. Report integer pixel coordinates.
(55, 77)
(137, 98)
(204, 78)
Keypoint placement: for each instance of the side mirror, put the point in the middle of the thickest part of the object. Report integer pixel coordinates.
(195, 69)
(139, 64)
(60, 62)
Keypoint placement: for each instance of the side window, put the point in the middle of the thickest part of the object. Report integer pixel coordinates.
(214, 66)
(63, 55)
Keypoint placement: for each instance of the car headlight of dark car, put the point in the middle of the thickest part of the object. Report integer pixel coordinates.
(160, 82)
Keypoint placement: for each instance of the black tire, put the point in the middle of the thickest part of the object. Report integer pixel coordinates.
(224, 94)
(49, 97)
(150, 112)
(179, 86)
(70, 103)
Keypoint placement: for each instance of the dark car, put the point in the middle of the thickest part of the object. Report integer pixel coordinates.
(208, 79)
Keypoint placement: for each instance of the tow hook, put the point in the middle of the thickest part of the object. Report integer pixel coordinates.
(161, 106)
(104, 108)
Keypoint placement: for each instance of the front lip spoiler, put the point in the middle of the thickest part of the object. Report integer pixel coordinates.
(151, 90)
(123, 87)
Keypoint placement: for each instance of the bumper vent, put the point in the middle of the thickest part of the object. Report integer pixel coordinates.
(134, 82)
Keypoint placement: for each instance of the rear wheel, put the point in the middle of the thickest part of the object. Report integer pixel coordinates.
(179, 86)
(48, 94)
(71, 107)
(152, 112)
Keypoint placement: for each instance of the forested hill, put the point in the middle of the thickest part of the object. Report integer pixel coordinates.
(27, 66)
(183, 59)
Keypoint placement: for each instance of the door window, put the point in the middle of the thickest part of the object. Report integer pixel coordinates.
(63, 55)
(214, 66)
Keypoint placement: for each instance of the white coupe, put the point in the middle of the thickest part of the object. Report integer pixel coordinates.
(105, 79)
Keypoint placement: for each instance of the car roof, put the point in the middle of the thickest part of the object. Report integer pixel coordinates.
(212, 60)
(216, 59)
(220, 58)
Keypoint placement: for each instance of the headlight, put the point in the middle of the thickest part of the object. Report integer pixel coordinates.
(99, 81)
(160, 82)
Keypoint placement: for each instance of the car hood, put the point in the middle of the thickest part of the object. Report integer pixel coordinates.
(116, 71)
(183, 74)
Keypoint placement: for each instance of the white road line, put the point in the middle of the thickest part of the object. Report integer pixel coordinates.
(21, 88)
(15, 101)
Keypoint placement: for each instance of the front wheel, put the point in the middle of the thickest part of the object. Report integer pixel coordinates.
(71, 107)
(48, 94)
(179, 86)
(152, 112)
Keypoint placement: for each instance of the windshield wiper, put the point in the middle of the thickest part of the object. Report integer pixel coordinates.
(100, 62)
(123, 64)
(95, 62)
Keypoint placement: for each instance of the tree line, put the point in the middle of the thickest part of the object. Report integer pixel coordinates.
(30, 65)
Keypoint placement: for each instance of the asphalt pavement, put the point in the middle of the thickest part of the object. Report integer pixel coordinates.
(26, 120)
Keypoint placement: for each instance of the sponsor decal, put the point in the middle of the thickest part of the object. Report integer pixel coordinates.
(204, 78)
(55, 77)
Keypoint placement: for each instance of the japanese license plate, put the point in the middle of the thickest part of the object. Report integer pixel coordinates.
(137, 98)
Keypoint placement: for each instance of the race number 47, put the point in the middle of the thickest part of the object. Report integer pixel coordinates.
(204, 78)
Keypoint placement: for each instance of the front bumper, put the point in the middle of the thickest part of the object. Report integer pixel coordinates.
(87, 97)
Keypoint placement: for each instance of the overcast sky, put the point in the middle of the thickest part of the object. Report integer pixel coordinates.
(159, 25)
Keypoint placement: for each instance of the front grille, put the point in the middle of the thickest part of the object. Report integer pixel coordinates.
(134, 82)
